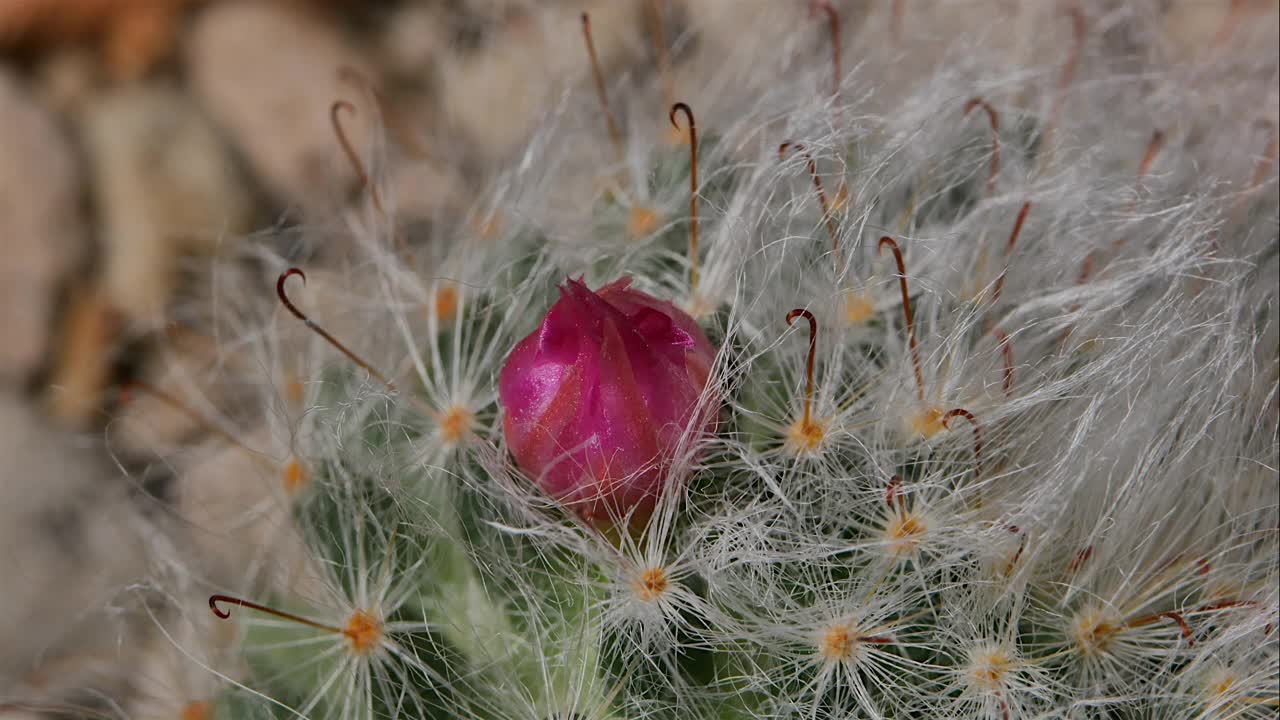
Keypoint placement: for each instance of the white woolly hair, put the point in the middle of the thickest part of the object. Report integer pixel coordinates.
(1050, 493)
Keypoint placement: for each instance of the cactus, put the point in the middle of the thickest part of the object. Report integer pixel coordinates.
(995, 419)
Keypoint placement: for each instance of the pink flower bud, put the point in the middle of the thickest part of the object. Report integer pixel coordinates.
(598, 397)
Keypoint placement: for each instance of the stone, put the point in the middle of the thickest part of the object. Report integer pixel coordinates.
(495, 96)
(71, 542)
(269, 74)
(86, 353)
(236, 507)
(164, 185)
(130, 35)
(42, 234)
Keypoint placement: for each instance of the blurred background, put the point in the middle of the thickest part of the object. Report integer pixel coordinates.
(141, 138)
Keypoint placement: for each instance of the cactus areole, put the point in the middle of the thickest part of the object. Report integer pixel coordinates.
(597, 400)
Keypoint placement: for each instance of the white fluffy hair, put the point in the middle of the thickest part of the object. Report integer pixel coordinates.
(1052, 494)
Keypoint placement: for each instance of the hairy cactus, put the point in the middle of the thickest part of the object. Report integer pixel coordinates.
(983, 424)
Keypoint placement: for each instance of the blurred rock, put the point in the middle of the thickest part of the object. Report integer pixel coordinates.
(66, 79)
(424, 189)
(70, 544)
(414, 37)
(41, 229)
(744, 44)
(131, 34)
(499, 8)
(164, 185)
(172, 678)
(496, 95)
(1194, 26)
(236, 506)
(184, 366)
(269, 74)
(87, 350)
(725, 25)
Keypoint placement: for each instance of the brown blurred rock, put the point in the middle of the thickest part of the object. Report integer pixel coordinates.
(66, 79)
(41, 231)
(424, 189)
(414, 37)
(164, 185)
(724, 25)
(132, 35)
(236, 506)
(496, 95)
(87, 350)
(183, 368)
(71, 541)
(173, 677)
(269, 75)
(1194, 26)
